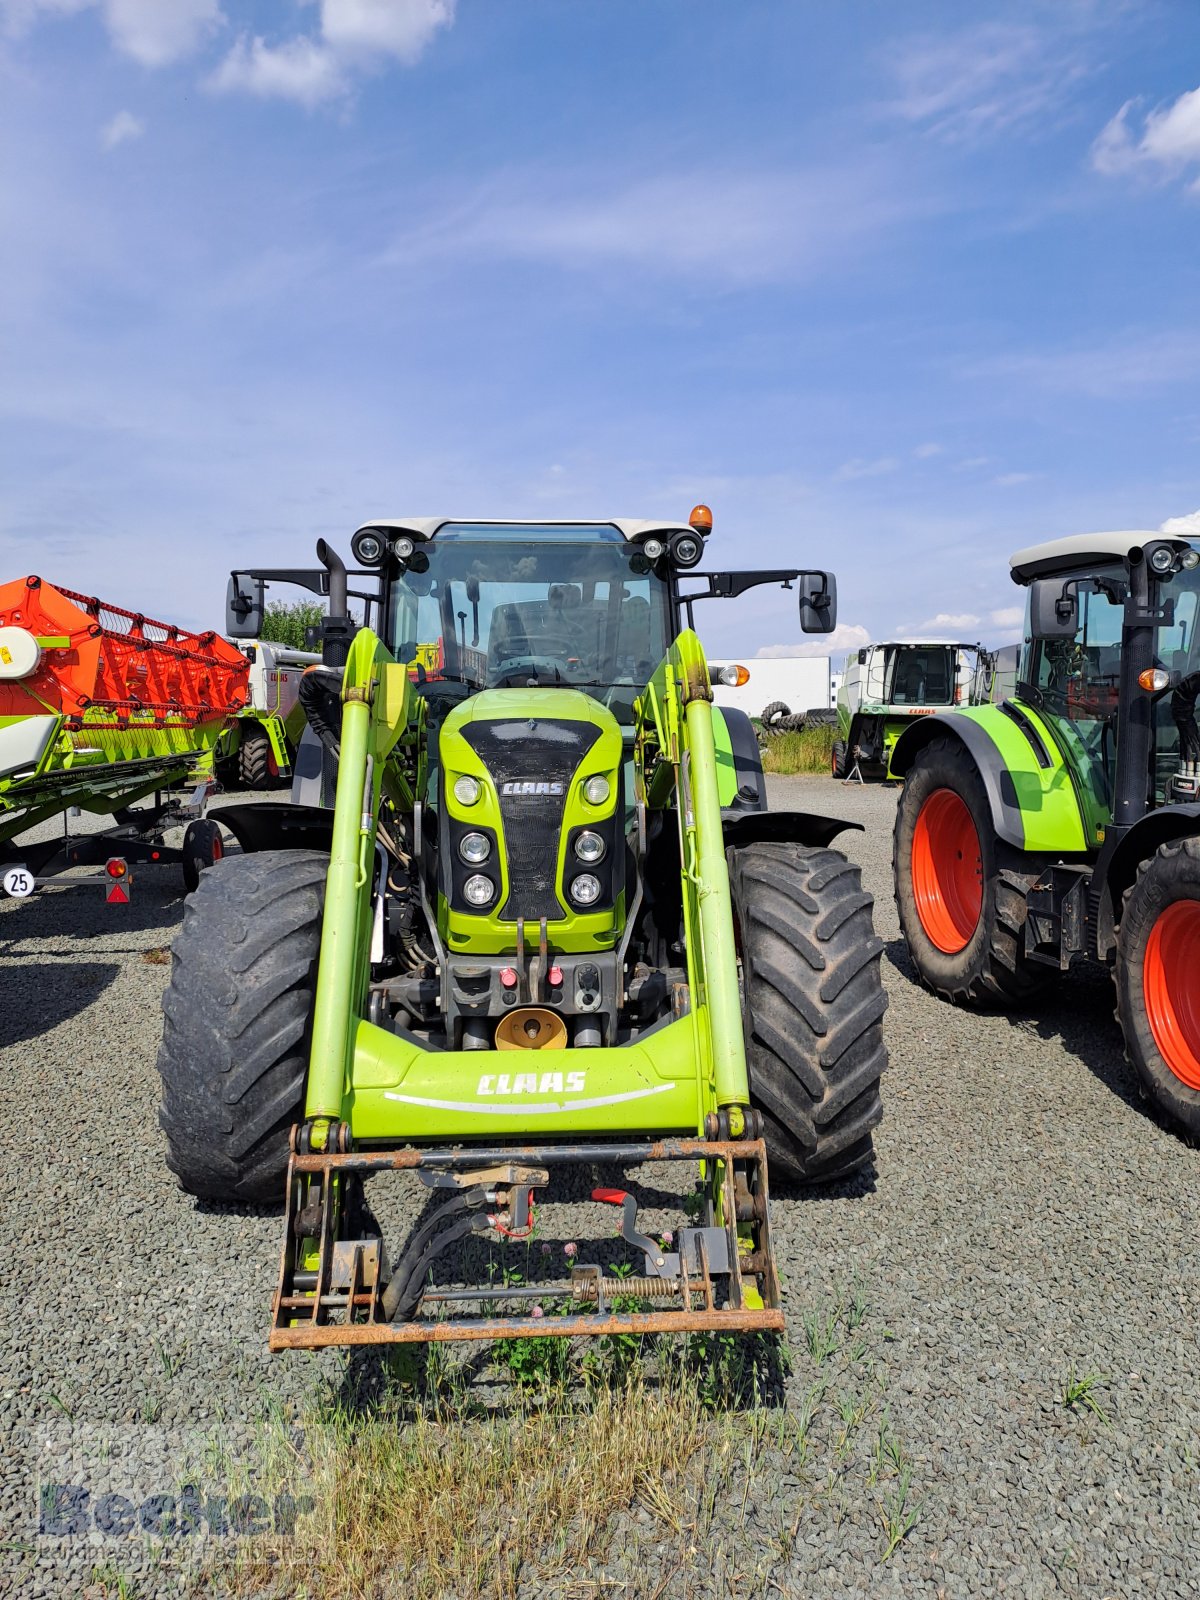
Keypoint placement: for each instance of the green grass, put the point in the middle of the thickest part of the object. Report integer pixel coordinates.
(809, 751)
(1080, 1393)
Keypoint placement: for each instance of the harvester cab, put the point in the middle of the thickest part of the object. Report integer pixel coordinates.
(886, 686)
(547, 927)
(1065, 821)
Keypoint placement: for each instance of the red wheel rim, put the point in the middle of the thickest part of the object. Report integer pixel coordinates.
(1171, 989)
(947, 871)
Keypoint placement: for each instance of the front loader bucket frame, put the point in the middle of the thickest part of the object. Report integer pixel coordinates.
(331, 1290)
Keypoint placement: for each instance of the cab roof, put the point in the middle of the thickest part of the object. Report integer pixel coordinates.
(1083, 550)
(631, 528)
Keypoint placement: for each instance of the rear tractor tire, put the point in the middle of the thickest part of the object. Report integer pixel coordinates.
(812, 1006)
(237, 1023)
(1157, 976)
(961, 892)
(837, 760)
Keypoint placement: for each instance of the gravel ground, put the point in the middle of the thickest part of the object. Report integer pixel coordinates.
(1029, 1221)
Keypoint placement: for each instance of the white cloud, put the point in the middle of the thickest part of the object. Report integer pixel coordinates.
(988, 79)
(925, 452)
(851, 470)
(300, 70)
(1187, 525)
(1169, 139)
(354, 35)
(154, 32)
(1007, 617)
(845, 637)
(943, 623)
(124, 126)
(735, 225)
(1133, 361)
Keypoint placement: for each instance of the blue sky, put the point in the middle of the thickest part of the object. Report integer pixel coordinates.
(895, 288)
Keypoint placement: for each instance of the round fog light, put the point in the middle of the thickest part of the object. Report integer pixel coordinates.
(474, 848)
(589, 847)
(585, 890)
(1163, 559)
(478, 890)
(596, 790)
(466, 789)
(652, 549)
(1190, 559)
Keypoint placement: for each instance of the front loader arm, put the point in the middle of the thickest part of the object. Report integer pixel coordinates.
(679, 760)
(380, 749)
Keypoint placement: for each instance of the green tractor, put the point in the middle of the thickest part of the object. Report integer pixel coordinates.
(1065, 821)
(548, 927)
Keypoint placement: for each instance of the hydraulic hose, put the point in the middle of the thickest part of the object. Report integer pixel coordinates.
(320, 696)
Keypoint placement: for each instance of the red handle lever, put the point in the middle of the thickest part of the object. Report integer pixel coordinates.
(610, 1197)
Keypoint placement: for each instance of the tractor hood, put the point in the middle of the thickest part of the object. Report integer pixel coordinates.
(517, 771)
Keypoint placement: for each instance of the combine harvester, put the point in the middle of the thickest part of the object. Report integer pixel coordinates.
(101, 708)
(885, 686)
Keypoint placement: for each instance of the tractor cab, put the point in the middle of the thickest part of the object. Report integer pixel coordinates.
(1112, 663)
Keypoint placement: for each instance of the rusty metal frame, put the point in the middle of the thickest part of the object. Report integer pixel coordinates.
(348, 1279)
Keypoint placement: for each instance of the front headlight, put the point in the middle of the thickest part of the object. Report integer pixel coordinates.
(597, 790)
(467, 789)
(589, 847)
(478, 891)
(474, 848)
(585, 890)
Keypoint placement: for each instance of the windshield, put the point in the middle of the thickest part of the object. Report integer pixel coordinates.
(515, 606)
(921, 675)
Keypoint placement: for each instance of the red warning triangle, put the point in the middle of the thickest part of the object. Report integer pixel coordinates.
(117, 894)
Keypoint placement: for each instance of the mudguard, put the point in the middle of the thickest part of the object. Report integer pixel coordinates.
(788, 827)
(277, 825)
(1029, 786)
(1139, 843)
(739, 761)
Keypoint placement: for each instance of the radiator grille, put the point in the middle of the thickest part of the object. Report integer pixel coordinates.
(548, 752)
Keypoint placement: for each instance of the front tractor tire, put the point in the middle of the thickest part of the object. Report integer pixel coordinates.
(812, 1006)
(237, 1017)
(1158, 979)
(961, 892)
(257, 766)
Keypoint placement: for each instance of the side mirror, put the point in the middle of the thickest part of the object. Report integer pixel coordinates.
(244, 602)
(818, 601)
(1053, 609)
(862, 658)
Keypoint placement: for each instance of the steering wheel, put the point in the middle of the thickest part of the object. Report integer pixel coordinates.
(516, 671)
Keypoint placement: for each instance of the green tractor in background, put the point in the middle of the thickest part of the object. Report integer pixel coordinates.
(548, 927)
(1065, 821)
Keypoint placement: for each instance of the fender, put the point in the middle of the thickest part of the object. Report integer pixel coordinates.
(277, 825)
(1137, 844)
(787, 827)
(1029, 787)
(739, 761)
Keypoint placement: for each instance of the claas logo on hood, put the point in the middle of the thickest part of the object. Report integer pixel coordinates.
(529, 786)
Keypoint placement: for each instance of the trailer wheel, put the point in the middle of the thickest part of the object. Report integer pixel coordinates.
(1158, 996)
(961, 892)
(236, 1022)
(837, 760)
(203, 847)
(812, 1003)
(257, 766)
